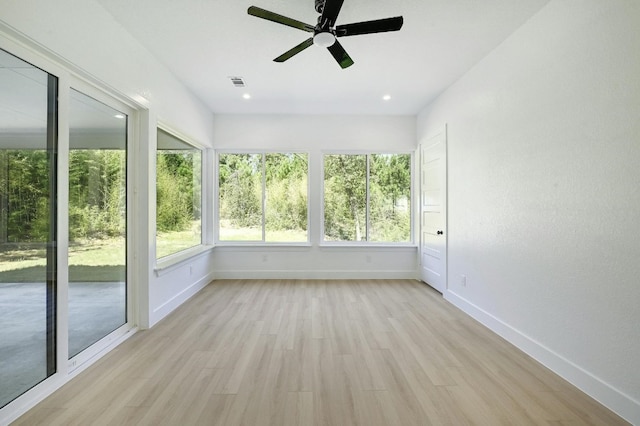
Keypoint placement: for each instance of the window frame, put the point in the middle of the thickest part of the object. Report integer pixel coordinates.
(166, 262)
(262, 242)
(367, 243)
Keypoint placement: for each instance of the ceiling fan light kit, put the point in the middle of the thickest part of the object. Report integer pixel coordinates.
(325, 33)
(324, 39)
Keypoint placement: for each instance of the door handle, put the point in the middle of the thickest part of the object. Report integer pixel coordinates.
(439, 232)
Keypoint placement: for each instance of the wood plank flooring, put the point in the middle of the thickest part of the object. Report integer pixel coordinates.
(289, 352)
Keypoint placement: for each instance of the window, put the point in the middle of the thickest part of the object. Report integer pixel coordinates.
(262, 197)
(178, 195)
(367, 197)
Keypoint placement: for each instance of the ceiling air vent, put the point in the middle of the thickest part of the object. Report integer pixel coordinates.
(237, 81)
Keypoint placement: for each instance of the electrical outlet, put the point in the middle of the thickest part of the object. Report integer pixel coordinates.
(265, 258)
(463, 280)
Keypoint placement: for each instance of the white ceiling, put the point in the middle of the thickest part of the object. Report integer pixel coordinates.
(204, 42)
(23, 103)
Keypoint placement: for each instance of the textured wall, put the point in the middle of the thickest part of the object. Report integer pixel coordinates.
(544, 194)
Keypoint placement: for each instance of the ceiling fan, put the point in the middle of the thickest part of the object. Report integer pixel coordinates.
(326, 32)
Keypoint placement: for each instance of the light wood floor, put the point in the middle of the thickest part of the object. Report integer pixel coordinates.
(367, 352)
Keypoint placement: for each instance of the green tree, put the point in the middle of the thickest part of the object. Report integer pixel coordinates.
(97, 193)
(389, 197)
(286, 192)
(386, 189)
(177, 186)
(240, 186)
(27, 193)
(345, 197)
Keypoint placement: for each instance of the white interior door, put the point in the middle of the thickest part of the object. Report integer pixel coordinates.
(433, 211)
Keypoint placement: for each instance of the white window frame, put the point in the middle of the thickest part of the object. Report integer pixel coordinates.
(262, 242)
(167, 263)
(367, 243)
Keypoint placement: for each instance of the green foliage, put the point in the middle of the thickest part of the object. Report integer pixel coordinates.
(389, 198)
(345, 197)
(97, 193)
(286, 186)
(26, 193)
(240, 180)
(177, 189)
(241, 198)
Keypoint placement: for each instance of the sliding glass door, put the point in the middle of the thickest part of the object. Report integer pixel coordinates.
(28, 157)
(96, 309)
(97, 221)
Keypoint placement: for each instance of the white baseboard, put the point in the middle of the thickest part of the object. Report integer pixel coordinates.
(618, 402)
(170, 305)
(287, 274)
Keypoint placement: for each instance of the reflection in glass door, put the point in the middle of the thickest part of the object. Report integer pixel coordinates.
(97, 221)
(28, 124)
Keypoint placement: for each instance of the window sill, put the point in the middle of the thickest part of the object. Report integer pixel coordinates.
(338, 245)
(248, 246)
(173, 261)
(350, 245)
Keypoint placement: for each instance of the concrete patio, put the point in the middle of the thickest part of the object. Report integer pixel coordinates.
(95, 310)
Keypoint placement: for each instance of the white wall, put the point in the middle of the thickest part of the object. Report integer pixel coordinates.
(544, 194)
(314, 135)
(85, 38)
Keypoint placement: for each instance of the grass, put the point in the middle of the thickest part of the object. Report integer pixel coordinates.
(89, 260)
(175, 241)
(228, 233)
(102, 260)
(255, 234)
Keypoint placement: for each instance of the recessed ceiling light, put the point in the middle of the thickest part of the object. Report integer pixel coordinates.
(386, 97)
(246, 96)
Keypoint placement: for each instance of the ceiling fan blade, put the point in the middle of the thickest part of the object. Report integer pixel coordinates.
(280, 19)
(370, 27)
(330, 13)
(299, 48)
(340, 55)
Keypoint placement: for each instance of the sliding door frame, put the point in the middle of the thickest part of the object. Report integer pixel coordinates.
(69, 76)
(77, 362)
